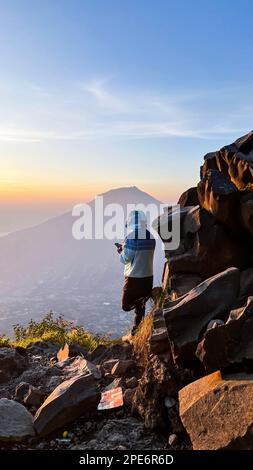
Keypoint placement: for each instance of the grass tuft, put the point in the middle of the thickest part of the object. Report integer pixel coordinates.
(141, 339)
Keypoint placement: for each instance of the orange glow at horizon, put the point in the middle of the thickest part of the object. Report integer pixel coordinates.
(28, 193)
(20, 193)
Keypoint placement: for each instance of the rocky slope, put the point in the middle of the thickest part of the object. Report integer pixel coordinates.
(193, 387)
(47, 404)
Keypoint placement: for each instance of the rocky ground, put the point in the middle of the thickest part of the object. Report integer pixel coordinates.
(29, 376)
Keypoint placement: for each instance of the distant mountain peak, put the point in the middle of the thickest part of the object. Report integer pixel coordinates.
(131, 192)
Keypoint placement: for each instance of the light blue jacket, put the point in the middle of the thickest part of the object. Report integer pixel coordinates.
(139, 247)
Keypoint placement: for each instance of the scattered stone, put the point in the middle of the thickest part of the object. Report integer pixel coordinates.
(115, 351)
(123, 434)
(159, 342)
(12, 363)
(109, 364)
(16, 423)
(21, 390)
(42, 348)
(72, 367)
(173, 440)
(122, 367)
(39, 375)
(69, 400)
(114, 384)
(132, 382)
(34, 397)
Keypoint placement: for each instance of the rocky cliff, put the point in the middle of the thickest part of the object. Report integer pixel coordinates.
(208, 314)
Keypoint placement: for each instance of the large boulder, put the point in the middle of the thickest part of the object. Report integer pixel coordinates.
(235, 160)
(72, 398)
(12, 363)
(189, 197)
(164, 223)
(16, 423)
(186, 320)
(217, 412)
(202, 258)
(181, 283)
(229, 343)
(196, 218)
(219, 196)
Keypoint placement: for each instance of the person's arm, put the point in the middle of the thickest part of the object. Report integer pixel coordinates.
(127, 254)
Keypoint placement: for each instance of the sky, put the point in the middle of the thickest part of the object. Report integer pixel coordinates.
(100, 94)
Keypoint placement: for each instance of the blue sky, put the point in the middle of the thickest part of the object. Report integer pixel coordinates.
(97, 94)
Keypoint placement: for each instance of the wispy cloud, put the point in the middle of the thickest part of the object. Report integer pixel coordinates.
(104, 98)
(97, 110)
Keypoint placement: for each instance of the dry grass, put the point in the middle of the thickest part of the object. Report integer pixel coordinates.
(141, 339)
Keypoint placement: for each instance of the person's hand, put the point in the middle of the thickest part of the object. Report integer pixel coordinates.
(119, 249)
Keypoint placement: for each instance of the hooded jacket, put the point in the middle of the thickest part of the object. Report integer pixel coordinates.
(139, 246)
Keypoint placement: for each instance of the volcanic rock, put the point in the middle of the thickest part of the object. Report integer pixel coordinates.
(235, 160)
(69, 400)
(21, 390)
(217, 413)
(229, 343)
(202, 258)
(16, 423)
(122, 367)
(187, 320)
(12, 363)
(189, 198)
(132, 382)
(182, 283)
(246, 212)
(128, 396)
(219, 196)
(156, 383)
(34, 397)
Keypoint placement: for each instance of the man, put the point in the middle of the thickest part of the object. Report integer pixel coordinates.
(137, 254)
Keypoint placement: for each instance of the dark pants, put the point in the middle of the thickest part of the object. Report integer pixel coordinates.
(136, 292)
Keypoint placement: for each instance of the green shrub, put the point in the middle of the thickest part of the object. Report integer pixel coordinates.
(58, 330)
(4, 341)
